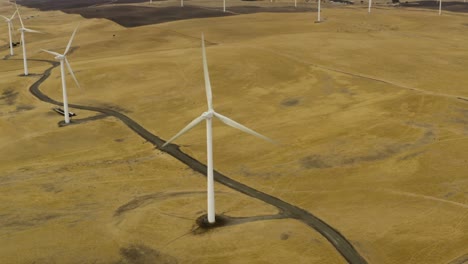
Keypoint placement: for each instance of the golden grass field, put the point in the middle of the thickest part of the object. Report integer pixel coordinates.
(371, 112)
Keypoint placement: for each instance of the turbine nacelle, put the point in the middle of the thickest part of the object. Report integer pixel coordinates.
(57, 56)
(22, 30)
(208, 114)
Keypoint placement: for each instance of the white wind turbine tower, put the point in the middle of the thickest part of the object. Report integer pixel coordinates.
(318, 11)
(23, 43)
(10, 28)
(370, 4)
(208, 116)
(63, 60)
(440, 7)
(224, 5)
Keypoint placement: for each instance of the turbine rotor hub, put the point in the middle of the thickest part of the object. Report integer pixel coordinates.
(208, 114)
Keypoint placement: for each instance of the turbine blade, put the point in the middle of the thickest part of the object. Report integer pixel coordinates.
(51, 52)
(71, 72)
(245, 129)
(185, 129)
(70, 41)
(209, 96)
(13, 15)
(31, 30)
(19, 16)
(6, 18)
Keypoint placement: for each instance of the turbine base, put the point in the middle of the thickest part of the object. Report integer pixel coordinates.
(203, 223)
(29, 75)
(63, 124)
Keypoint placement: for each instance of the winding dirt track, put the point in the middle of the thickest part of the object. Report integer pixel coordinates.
(342, 245)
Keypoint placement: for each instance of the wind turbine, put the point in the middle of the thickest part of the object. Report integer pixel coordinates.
(23, 43)
(10, 28)
(440, 7)
(370, 4)
(181, 3)
(208, 116)
(63, 60)
(224, 5)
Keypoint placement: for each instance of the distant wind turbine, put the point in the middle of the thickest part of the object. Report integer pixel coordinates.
(10, 28)
(63, 60)
(23, 43)
(440, 7)
(370, 5)
(224, 5)
(208, 116)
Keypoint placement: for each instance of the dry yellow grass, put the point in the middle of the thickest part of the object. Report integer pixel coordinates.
(373, 139)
